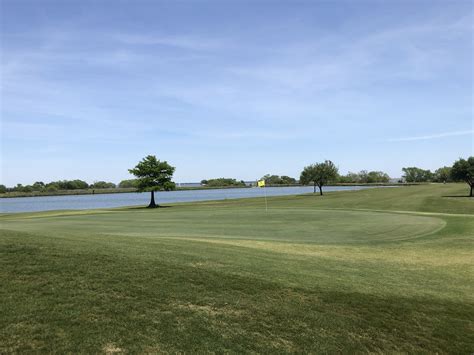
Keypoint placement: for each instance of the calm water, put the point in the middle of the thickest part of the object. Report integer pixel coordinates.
(78, 202)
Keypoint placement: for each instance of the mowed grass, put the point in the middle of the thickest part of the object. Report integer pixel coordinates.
(379, 270)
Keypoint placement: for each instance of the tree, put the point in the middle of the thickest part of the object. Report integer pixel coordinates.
(278, 180)
(350, 177)
(377, 176)
(271, 179)
(51, 187)
(131, 183)
(414, 174)
(103, 185)
(3, 189)
(443, 174)
(319, 174)
(71, 184)
(38, 186)
(153, 175)
(463, 170)
(363, 176)
(223, 182)
(287, 180)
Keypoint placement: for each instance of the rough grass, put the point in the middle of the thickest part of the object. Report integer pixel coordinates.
(382, 270)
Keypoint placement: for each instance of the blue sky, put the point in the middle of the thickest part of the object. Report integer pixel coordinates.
(233, 88)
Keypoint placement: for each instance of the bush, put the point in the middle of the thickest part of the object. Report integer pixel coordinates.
(224, 182)
(132, 183)
(103, 185)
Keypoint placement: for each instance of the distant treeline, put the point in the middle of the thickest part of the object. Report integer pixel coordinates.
(411, 174)
(278, 180)
(223, 182)
(414, 174)
(364, 177)
(53, 186)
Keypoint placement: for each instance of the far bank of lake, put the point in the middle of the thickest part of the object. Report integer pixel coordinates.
(75, 202)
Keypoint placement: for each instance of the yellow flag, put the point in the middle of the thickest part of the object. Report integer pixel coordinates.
(261, 183)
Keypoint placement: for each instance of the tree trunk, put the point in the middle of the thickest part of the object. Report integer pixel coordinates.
(471, 191)
(152, 202)
(320, 190)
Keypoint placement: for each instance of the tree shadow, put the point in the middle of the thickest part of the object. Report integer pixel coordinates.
(134, 208)
(457, 196)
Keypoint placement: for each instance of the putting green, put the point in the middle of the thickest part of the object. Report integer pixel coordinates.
(284, 224)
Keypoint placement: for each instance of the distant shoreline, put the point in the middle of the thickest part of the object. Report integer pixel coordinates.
(117, 190)
(129, 190)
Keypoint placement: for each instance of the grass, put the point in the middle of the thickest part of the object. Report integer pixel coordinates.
(379, 270)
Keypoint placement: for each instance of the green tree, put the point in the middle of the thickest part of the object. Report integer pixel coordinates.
(350, 177)
(102, 185)
(128, 183)
(414, 174)
(38, 186)
(3, 189)
(443, 174)
(363, 176)
(52, 186)
(153, 175)
(463, 170)
(272, 179)
(319, 174)
(278, 180)
(223, 182)
(287, 180)
(71, 184)
(27, 188)
(377, 176)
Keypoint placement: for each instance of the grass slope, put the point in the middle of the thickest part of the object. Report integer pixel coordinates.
(382, 270)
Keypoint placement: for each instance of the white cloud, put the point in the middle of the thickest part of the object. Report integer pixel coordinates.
(179, 41)
(433, 136)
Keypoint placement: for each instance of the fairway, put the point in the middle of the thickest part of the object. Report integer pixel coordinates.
(378, 270)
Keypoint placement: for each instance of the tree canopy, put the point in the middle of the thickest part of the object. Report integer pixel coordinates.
(365, 177)
(103, 185)
(319, 174)
(153, 175)
(278, 180)
(463, 170)
(130, 183)
(223, 182)
(414, 174)
(443, 174)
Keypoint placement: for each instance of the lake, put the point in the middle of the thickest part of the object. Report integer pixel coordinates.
(79, 202)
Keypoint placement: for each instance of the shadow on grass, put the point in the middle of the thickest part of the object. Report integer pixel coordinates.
(134, 208)
(458, 196)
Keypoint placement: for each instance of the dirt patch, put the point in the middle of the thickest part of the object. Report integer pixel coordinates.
(210, 310)
(206, 264)
(111, 348)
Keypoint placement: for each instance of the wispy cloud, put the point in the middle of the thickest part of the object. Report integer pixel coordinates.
(184, 42)
(433, 136)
